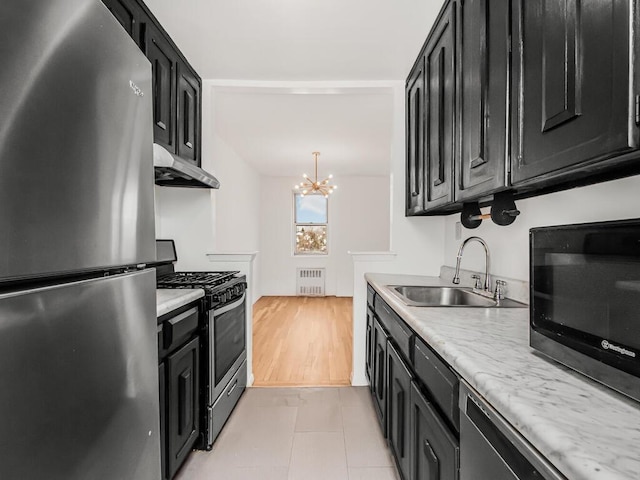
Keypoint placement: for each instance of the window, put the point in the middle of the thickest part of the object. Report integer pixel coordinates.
(310, 218)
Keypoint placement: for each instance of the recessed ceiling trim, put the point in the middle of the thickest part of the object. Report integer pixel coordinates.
(303, 88)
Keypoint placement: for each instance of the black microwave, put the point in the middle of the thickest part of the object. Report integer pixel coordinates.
(585, 299)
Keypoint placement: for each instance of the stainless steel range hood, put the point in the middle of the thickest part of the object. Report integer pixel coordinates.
(173, 171)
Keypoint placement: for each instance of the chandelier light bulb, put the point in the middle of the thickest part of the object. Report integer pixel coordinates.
(316, 186)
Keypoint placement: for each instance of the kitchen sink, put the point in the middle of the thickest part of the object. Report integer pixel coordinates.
(422, 296)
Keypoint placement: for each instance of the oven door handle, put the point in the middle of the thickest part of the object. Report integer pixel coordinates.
(230, 306)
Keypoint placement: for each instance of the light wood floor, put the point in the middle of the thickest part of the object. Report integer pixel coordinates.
(302, 341)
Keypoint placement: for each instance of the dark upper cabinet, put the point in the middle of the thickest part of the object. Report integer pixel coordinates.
(188, 113)
(435, 451)
(177, 88)
(398, 410)
(131, 17)
(415, 119)
(484, 46)
(573, 103)
(439, 108)
(526, 96)
(164, 65)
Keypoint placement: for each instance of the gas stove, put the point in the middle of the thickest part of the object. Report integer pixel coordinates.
(206, 280)
(220, 288)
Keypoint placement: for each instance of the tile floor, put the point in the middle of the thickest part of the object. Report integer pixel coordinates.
(297, 434)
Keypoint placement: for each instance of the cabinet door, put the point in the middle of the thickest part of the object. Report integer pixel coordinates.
(370, 346)
(188, 119)
(573, 104)
(183, 408)
(380, 375)
(440, 78)
(484, 48)
(131, 17)
(415, 119)
(435, 451)
(163, 63)
(398, 409)
(163, 418)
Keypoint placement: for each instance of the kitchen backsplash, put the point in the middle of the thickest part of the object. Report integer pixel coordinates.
(515, 289)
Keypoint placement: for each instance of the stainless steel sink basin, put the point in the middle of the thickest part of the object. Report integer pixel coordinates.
(421, 296)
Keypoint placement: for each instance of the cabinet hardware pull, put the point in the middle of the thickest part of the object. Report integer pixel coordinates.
(400, 426)
(432, 460)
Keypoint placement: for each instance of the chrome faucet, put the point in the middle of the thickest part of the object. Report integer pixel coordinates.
(487, 261)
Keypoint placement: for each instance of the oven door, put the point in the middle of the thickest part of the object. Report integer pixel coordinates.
(227, 341)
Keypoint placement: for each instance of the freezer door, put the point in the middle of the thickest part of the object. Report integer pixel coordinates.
(76, 162)
(79, 377)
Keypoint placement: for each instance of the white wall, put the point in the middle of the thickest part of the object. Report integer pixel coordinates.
(185, 215)
(236, 203)
(509, 245)
(417, 241)
(358, 220)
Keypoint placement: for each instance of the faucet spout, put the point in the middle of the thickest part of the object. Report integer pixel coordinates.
(487, 262)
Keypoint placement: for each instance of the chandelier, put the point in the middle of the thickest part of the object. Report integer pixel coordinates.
(315, 187)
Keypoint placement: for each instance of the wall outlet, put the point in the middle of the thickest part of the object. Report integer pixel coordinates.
(458, 230)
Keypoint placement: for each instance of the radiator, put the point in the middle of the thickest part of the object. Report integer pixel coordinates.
(310, 282)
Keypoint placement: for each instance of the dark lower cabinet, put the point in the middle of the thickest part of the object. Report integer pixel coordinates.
(435, 451)
(415, 395)
(379, 382)
(163, 417)
(369, 346)
(183, 414)
(398, 410)
(574, 72)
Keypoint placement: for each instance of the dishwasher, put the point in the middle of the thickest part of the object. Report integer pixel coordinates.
(491, 449)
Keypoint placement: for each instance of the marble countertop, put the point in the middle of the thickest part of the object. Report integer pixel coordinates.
(168, 299)
(587, 431)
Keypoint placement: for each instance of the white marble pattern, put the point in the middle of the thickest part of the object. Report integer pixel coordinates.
(168, 299)
(587, 431)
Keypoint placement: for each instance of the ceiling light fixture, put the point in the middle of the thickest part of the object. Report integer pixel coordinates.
(314, 187)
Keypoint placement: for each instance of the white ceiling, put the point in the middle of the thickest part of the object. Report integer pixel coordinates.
(277, 132)
(302, 40)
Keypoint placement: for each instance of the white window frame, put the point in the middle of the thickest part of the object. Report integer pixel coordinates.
(295, 230)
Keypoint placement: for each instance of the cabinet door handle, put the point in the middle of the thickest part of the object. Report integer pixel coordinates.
(432, 460)
(368, 345)
(400, 426)
(380, 386)
(185, 388)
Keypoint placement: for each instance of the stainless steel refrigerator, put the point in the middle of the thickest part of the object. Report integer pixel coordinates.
(78, 353)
